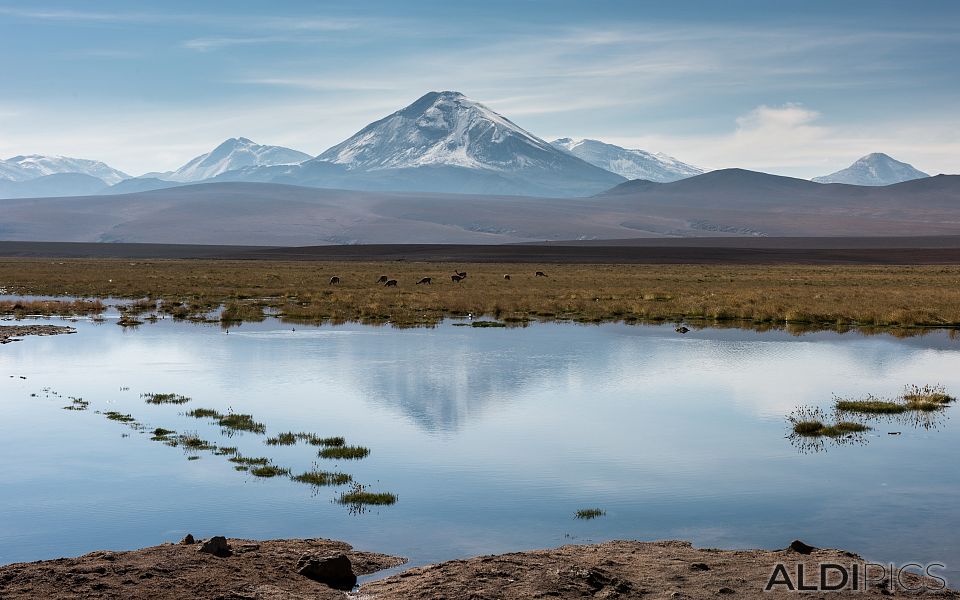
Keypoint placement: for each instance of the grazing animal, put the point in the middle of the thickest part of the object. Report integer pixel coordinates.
(334, 280)
(540, 274)
(390, 283)
(456, 278)
(427, 280)
(463, 275)
(506, 277)
(383, 279)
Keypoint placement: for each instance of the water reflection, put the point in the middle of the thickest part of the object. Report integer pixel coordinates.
(491, 438)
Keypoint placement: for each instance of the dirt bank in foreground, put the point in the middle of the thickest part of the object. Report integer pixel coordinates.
(253, 570)
(269, 571)
(13, 333)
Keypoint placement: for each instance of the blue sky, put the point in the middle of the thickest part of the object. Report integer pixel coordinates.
(786, 87)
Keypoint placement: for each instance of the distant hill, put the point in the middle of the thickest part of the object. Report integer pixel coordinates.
(632, 164)
(874, 169)
(59, 184)
(730, 202)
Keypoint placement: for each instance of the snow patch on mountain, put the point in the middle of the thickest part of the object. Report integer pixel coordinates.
(874, 169)
(235, 153)
(448, 129)
(33, 166)
(632, 164)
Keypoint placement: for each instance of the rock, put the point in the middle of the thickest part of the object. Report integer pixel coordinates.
(187, 540)
(699, 566)
(800, 547)
(217, 546)
(726, 590)
(333, 569)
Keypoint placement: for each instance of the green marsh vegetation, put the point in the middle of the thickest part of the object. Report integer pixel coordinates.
(77, 404)
(809, 421)
(344, 452)
(119, 417)
(267, 471)
(590, 513)
(323, 478)
(917, 406)
(289, 439)
(231, 422)
(257, 466)
(925, 398)
(359, 497)
(165, 398)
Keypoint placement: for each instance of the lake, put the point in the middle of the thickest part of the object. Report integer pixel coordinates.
(490, 438)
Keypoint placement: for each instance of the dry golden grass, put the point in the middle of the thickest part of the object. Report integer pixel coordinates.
(798, 296)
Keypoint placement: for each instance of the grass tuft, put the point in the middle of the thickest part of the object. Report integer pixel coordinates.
(344, 452)
(267, 471)
(164, 398)
(590, 513)
(358, 496)
(283, 439)
(323, 478)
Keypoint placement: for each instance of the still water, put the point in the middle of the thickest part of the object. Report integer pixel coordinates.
(491, 439)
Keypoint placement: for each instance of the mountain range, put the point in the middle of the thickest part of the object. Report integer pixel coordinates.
(443, 142)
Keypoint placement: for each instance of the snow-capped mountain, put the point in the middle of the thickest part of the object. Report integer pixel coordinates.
(447, 142)
(632, 164)
(33, 166)
(235, 153)
(874, 169)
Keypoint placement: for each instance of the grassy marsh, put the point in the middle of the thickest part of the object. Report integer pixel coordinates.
(164, 398)
(231, 422)
(926, 398)
(344, 452)
(590, 513)
(323, 478)
(795, 297)
(359, 496)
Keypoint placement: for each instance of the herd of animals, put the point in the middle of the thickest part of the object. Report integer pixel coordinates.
(457, 277)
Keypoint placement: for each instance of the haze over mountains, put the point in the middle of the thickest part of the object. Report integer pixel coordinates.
(729, 202)
(446, 169)
(443, 142)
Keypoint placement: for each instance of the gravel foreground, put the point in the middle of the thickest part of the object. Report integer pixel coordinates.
(268, 570)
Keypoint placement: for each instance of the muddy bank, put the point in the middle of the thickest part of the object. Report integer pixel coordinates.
(623, 569)
(13, 333)
(287, 569)
(251, 570)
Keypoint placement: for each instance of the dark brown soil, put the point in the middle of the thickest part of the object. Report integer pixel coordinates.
(727, 250)
(13, 333)
(256, 570)
(266, 571)
(617, 570)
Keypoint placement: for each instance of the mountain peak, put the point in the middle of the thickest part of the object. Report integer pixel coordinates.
(236, 153)
(25, 167)
(441, 128)
(876, 168)
(632, 164)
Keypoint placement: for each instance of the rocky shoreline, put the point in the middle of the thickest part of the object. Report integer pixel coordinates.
(222, 569)
(13, 333)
